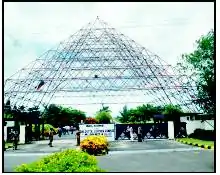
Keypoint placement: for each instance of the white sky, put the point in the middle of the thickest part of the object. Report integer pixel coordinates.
(167, 29)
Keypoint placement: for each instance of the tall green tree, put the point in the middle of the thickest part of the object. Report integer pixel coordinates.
(172, 112)
(200, 63)
(103, 117)
(141, 113)
(59, 115)
(124, 115)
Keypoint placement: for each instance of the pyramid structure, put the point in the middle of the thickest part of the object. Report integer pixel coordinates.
(99, 65)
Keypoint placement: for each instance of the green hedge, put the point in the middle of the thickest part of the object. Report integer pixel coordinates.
(66, 161)
(203, 134)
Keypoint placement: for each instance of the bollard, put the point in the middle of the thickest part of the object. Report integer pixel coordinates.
(78, 138)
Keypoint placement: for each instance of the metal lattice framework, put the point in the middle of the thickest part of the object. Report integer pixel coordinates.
(99, 65)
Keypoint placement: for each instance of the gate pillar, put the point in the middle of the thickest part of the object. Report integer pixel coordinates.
(22, 134)
(170, 130)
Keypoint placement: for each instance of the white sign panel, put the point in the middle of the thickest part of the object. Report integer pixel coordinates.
(10, 123)
(107, 130)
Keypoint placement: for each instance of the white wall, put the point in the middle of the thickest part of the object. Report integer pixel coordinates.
(10, 123)
(191, 126)
(209, 124)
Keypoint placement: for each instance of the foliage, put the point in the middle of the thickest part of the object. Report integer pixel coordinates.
(95, 145)
(203, 134)
(140, 114)
(20, 114)
(91, 120)
(66, 161)
(46, 129)
(124, 114)
(103, 117)
(58, 115)
(172, 112)
(105, 108)
(8, 115)
(200, 64)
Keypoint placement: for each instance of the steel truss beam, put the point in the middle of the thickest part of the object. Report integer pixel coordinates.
(104, 63)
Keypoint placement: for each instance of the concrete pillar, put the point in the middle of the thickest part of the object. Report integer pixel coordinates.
(22, 134)
(171, 130)
(5, 133)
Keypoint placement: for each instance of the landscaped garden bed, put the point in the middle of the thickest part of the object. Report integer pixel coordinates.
(66, 161)
(197, 142)
(95, 145)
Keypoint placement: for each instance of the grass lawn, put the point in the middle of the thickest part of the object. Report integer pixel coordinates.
(197, 141)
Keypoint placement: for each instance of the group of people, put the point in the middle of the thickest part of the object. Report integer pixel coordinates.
(65, 130)
(130, 133)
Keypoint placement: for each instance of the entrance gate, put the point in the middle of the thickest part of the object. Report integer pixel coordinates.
(149, 131)
(180, 129)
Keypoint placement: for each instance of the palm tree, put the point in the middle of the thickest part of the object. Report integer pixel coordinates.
(105, 108)
(124, 115)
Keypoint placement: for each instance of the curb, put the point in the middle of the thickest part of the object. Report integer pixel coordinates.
(196, 144)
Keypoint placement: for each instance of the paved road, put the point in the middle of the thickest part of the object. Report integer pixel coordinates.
(166, 161)
(136, 161)
(152, 156)
(147, 145)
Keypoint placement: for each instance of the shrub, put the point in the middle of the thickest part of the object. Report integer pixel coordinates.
(95, 145)
(103, 117)
(66, 161)
(46, 129)
(203, 134)
(90, 120)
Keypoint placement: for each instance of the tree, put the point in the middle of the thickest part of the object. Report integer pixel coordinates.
(124, 115)
(147, 111)
(172, 112)
(51, 114)
(105, 108)
(141, 113)
(59, 115)
(7, 110)
(103, 117)
(200, 64)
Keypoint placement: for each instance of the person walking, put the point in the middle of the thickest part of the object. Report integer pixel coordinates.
(59, 132)
(127, 132)
(78, 137)
(71, 129)
(14, 137)
(131, 134)
(51, 132)
(139, 134)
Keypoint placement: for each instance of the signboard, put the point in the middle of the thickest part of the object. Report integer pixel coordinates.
(107, 130)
